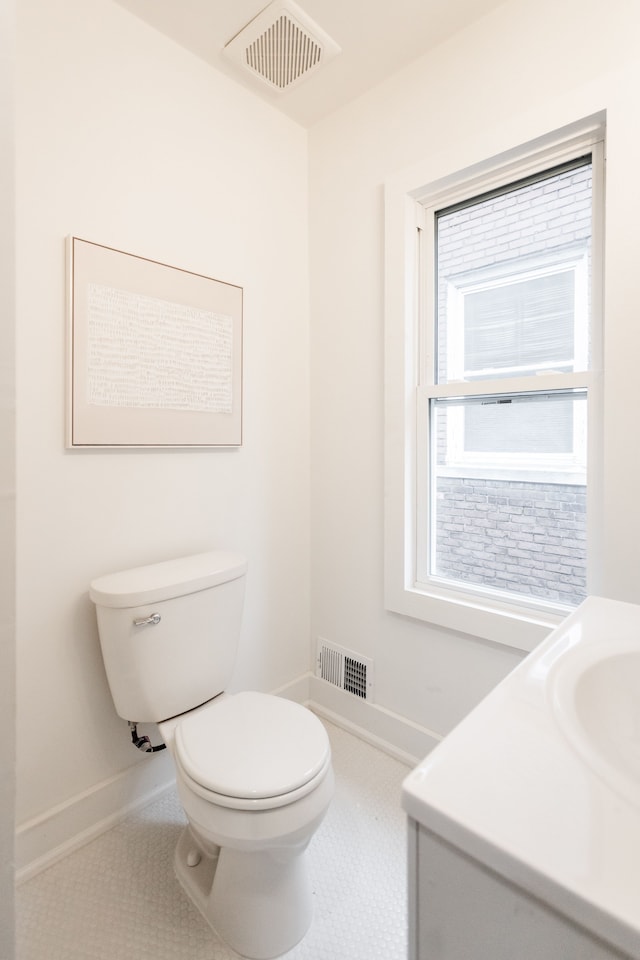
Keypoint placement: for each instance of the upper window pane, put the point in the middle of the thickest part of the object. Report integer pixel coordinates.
(513, 273)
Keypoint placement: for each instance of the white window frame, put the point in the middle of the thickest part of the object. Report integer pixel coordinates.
(408, 344)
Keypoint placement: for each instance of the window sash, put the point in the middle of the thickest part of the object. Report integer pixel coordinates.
(584, 384)
(542, 466)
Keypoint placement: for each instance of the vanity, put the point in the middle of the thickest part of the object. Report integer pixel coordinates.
(524, 823)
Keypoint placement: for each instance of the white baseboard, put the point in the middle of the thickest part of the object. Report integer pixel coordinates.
(396, 735)
(298, 689)
(47, 838)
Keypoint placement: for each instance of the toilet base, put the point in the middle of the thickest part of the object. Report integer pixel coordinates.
(259, 902)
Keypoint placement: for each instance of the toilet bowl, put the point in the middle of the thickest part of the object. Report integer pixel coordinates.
(254, 777)
(253, 771)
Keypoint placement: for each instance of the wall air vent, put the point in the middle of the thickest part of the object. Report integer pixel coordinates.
(345, 669)
(281, 46)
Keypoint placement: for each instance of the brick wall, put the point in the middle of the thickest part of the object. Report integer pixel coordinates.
(528, 537)
(548, 216)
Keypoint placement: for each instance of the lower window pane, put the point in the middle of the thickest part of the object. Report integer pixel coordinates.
(509, 513)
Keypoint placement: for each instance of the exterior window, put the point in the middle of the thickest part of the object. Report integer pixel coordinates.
(504, 450)
(493, 386)
(499, 325)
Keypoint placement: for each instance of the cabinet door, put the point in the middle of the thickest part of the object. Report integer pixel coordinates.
(463, 911)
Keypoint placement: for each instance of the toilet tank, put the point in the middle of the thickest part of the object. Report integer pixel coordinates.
(169, 632)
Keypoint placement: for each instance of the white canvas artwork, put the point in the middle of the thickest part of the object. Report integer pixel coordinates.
(147, 352)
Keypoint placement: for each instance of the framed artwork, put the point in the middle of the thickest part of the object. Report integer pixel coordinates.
(154, 353)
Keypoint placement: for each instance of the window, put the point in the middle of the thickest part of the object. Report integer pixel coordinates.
(521, 310)
(500, 413)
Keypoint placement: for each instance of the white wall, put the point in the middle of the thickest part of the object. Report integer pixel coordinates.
(523, 71)
(127, 140)
(7, 478)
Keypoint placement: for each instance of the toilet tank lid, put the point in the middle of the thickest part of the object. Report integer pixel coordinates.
(171, 578)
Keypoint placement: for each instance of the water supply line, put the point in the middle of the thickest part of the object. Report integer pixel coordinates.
(143, 743)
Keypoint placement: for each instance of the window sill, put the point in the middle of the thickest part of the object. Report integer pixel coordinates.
(510, 624)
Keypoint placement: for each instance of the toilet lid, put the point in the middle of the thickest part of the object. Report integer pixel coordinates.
(252, 746)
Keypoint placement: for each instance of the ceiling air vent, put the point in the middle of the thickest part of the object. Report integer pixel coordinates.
(281, 46)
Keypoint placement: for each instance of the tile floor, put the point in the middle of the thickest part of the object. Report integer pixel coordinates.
(117, 898)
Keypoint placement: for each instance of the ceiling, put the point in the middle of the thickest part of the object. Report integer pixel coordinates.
(376, 37)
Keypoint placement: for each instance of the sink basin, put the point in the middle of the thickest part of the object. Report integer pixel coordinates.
(596, 700)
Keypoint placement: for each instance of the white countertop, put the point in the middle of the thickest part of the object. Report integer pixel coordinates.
(509, 789)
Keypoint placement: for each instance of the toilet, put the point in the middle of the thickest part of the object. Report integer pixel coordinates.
(253, 770)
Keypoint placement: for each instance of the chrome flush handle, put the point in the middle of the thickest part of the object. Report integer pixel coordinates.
(143, 621)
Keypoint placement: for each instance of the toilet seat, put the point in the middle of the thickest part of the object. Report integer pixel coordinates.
(264, 803)
(252, 750)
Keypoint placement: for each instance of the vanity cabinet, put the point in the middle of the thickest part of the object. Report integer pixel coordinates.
(460, 910)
